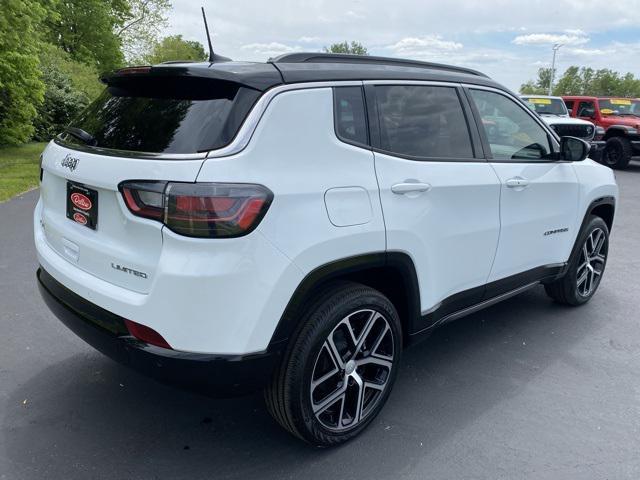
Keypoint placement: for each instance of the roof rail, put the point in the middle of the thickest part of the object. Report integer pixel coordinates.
(315, 57)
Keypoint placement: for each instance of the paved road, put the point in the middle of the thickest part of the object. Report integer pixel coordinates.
(525, 389)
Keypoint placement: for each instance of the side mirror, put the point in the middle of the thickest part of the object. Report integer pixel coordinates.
(574, 149)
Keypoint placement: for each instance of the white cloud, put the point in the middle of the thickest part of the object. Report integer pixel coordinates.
(305, 39)
(273, 48)
(587, 52)
(472, 33)
(576, 38)
(420, 47)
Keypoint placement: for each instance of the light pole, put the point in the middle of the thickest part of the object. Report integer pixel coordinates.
(556, 47)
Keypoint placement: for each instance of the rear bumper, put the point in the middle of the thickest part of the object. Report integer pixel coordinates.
(217, 375)
(636, 145)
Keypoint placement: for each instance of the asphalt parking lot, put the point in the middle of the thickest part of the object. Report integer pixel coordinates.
(525, 389)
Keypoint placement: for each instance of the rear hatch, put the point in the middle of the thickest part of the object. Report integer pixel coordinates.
(147, 125)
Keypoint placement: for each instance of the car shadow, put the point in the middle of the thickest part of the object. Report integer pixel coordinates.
(87, 417)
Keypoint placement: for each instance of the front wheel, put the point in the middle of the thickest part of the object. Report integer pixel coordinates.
(339, 371)
(586, 265)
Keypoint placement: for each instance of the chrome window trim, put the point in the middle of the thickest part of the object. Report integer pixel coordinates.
(250, 123)
(412, 82)
(467, 115)
(248, 127)
(110, 152)
(239, 142)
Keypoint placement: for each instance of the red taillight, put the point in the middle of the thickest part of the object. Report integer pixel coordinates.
(206, 210)
(146, 334)
(145, 199)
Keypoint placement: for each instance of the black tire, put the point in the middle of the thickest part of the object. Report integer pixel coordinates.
(289, 396)
(568, 290)
(617, 153)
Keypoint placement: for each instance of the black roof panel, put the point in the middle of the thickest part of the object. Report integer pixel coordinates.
(312, 67)
(320, 72)
(315, 57)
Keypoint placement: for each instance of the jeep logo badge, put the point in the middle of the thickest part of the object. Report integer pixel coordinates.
(69, 162)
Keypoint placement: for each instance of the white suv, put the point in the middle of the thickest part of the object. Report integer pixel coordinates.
(293, 225)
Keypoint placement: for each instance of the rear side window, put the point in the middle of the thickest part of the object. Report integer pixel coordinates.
(166, 115)
(422, 121)
(350, 116)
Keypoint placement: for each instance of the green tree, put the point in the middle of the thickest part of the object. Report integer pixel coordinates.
(540, 86)
(570, 83)
(629, 86)
(21, 88)
(142, 25)
(62, 102)
(586, 81)
(84, 77)
(70, 86)
(175, 48)
(87, 30)
(605, 82)
(354, 48)
(587, 74)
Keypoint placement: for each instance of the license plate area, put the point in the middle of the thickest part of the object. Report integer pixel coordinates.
(82, 205)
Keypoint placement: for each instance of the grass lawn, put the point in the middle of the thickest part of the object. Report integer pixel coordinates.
(19, 169)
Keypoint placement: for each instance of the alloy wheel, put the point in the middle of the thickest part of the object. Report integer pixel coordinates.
(591, 263)
(352, 370)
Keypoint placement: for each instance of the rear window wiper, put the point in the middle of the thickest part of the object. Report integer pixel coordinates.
(81, 135)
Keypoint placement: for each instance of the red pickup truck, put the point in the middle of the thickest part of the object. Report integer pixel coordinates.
(620, 117)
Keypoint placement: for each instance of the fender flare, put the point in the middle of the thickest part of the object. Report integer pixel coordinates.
(598, 202)
(623, 129)
(347, 268)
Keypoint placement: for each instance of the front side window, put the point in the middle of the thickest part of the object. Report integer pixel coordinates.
(350, 115)
(422, 121)
(511, 132)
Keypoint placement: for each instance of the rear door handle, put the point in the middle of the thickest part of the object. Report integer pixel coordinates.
(410, 187)
(517, 182)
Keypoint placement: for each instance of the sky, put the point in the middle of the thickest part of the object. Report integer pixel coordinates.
(508, 40)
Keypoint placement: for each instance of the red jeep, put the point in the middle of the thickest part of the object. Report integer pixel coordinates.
(620, 117)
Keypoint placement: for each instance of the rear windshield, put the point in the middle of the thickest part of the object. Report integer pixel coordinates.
(165, 115)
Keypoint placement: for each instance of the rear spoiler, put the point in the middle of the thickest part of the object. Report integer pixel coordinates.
(257, 76)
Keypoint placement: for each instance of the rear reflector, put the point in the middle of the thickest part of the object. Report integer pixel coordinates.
(204, 210)
(146, 334)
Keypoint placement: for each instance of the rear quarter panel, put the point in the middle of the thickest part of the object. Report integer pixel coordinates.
(295, 153)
